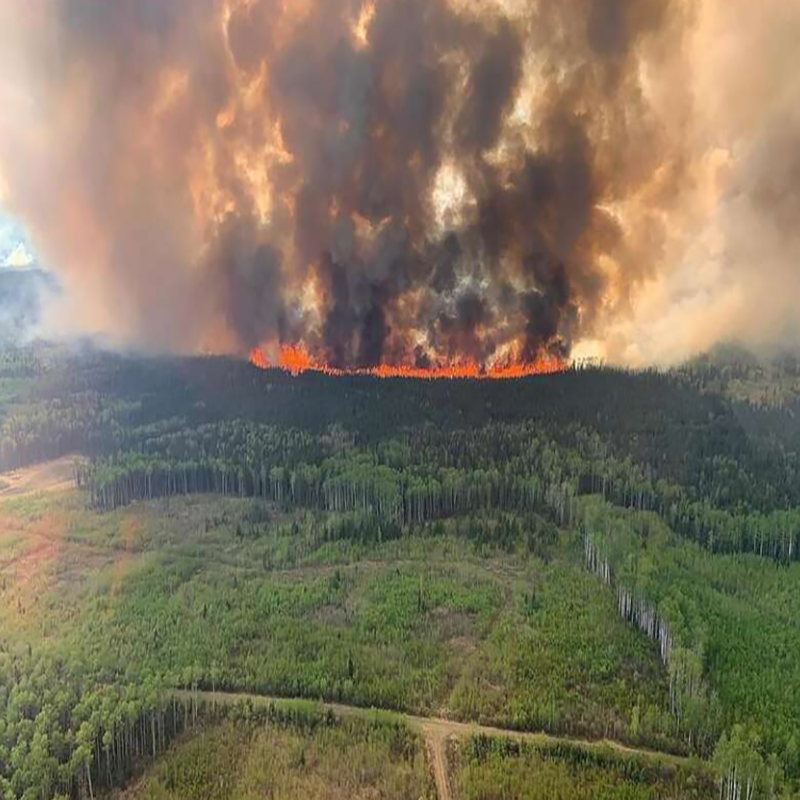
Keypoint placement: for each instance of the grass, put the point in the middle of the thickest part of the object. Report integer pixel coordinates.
(558, 657)
(350, 759)
(497, 769)
(737, 612)
(240, 596)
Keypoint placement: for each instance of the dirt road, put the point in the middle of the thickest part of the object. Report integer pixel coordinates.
(437, 732)
(436, 744)
(58, 475)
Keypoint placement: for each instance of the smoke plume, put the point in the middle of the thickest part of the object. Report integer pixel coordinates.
(416, 182)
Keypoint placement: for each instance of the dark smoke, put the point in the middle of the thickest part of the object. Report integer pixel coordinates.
(273, 170)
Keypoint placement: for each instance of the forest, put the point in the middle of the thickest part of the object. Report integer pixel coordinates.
(599, 554)
(492, 768)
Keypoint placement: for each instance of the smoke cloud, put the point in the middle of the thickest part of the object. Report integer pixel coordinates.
(415, 182)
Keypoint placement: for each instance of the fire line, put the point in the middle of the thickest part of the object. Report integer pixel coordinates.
(296, 360)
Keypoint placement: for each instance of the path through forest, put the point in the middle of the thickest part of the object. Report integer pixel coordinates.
(436, 744)
(437, 732)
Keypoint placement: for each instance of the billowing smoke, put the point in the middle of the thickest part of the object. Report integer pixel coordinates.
(409, 181)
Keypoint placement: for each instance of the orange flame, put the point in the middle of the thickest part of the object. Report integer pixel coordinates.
(258, 359)
(295, 359)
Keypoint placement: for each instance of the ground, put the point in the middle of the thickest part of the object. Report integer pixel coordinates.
(52, 476)
(245, 597)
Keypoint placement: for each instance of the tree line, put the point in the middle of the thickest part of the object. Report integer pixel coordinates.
(427, 475)
(63, 734)
(725, 630)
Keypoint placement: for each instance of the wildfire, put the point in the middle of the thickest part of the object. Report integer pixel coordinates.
(257, 358)
(295, 359)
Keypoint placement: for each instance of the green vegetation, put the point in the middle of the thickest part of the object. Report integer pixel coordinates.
(733, 371)
(727, 626)
(598, 554)
(560, 661)
(235, 595)
(334, 760)
(496, 769)
(417, 625)
(62, 733)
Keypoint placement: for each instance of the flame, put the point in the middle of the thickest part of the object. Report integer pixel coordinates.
(295, 359)
(258, 359)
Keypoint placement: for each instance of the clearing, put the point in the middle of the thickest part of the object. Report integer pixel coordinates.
(50, 476)
(438, 732)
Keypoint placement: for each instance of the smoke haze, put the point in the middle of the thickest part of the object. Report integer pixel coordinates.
(415, 182)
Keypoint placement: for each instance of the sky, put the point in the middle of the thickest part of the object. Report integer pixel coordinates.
(15, 252)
